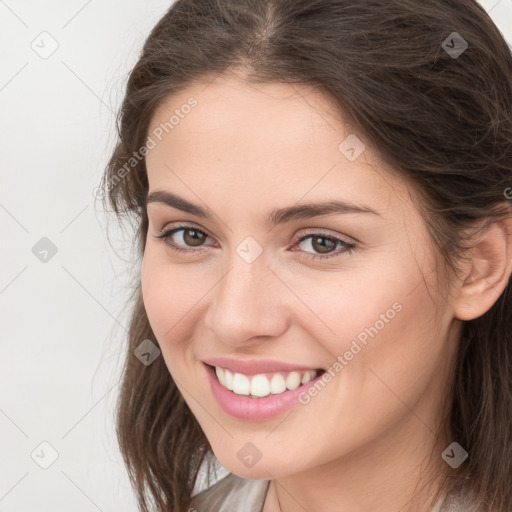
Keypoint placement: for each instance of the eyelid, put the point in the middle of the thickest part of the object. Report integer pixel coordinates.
(168, 229)
(170, 226)
(328, 233)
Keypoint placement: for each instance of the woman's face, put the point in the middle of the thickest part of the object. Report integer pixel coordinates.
(267, 284)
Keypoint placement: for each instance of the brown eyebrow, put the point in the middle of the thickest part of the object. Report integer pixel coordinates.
(277, 216)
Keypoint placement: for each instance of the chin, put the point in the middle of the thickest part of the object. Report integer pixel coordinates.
(260, 470)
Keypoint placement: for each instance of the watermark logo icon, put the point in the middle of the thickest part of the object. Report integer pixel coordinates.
(249, 249)
(147, 352)
(454, 45)
(44, 250)
(249, 454)
(454, 455)
(352, 147)
(45, 45)
(44, 455)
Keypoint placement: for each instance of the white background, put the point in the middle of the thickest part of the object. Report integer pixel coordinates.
(63, 321)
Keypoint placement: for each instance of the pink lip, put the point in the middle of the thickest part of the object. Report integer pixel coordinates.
(254, 409)
(254, 367)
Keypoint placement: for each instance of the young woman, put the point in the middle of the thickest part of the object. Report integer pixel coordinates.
(321, 190)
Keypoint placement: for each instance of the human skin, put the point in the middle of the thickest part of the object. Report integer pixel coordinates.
(244, 150)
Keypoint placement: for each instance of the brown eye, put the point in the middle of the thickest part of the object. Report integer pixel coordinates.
(183, 238)
(323, 245)
(193, 237)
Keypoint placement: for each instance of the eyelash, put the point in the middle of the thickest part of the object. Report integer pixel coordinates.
(348, 247)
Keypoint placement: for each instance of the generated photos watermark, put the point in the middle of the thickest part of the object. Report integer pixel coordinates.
(151, 142)
(356, 346)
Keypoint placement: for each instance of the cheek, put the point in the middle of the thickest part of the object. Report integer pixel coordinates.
(170, 295)
(384, 354)
(398, 344)
(382, 319)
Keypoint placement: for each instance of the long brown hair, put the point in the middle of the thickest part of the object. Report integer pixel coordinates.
(442, 120)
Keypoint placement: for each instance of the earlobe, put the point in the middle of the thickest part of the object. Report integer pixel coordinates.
(487, 271)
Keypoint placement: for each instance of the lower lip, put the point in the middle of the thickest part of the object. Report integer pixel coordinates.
(255, 409)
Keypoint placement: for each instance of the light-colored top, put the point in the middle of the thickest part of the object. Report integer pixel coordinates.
(235, 494)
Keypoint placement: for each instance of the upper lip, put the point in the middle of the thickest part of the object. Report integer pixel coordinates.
(255, 366)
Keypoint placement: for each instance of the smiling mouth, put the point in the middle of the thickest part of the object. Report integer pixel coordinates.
(263, 384)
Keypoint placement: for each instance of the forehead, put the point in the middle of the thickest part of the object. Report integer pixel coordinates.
(271, 141)
(254, 117)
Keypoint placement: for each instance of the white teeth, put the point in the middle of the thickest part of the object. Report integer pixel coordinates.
(259, 385)
(228, 380)
(277, 384)
(293, 380)
(241, 384)
(309, 375)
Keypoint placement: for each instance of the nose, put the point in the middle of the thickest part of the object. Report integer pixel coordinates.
(247, 304)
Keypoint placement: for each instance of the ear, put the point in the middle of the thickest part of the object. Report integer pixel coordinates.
(486, 271)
